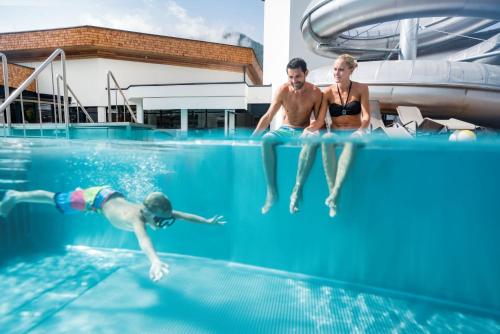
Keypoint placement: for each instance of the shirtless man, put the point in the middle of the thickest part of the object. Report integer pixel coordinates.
(299, 99)
(155, 211)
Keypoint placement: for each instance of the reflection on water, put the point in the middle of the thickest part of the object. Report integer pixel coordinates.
(108, 291)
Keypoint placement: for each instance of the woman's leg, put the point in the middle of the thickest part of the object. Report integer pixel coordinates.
(344, 163)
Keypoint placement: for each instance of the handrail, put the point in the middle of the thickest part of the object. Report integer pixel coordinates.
(5, 71)
(34, 75)
(59, 77)
(110, 75)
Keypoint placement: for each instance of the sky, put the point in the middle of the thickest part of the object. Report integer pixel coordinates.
(195, 19)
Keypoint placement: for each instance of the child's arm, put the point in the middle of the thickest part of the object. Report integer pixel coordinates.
(219, 220)
(158, 269)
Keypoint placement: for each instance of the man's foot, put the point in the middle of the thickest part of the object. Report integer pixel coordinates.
(7, 203)
(270, 200)
(294, 200)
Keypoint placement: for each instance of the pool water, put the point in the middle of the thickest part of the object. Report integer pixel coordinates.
(413, 248)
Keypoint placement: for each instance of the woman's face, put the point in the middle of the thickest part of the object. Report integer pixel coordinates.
(341, 71)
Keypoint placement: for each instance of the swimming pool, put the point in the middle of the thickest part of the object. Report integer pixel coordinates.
(412, 249)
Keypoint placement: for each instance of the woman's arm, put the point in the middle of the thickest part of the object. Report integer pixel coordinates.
(365, 108)
(319, 112)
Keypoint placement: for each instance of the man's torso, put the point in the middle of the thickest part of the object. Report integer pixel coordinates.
(299, 105)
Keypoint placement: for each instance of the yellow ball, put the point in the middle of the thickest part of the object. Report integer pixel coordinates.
(463, 135)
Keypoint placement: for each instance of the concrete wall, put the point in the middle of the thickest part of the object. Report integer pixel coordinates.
(87, 77)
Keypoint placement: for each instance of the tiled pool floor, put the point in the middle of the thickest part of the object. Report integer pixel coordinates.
(85, 290)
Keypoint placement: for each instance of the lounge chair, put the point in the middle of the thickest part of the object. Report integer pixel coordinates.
(377, 124)
(411, 118)
(375, 115)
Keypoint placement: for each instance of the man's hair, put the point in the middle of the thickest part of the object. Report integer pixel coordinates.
(297, 63)
(157, 202)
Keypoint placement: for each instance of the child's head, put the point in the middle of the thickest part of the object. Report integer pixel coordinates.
(160, 208)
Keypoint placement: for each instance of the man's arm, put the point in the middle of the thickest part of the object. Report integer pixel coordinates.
(158, 269)
(219, 220)
(266, 119)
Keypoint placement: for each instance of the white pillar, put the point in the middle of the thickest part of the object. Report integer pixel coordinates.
(229, 117)
(283, 41)
(184, 120)
(139, 111)
(101, 114)
(408, 39)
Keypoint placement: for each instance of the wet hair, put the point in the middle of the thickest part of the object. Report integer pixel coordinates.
(349, 60)
(157, 202)
(296, 63)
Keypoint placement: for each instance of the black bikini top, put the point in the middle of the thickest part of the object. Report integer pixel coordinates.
(351, 108)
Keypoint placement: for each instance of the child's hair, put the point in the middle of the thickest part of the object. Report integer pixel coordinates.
(157, 202)
(349, 60)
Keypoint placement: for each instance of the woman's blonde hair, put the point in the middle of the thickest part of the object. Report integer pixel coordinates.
(349, 60)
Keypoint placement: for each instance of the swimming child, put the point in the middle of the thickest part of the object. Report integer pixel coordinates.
(155, 211)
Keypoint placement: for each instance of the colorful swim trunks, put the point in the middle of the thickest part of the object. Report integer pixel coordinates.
(84, 200)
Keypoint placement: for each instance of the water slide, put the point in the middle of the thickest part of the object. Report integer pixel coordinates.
(446, 87)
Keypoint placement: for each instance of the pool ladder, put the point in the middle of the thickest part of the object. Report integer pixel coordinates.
(15, 160)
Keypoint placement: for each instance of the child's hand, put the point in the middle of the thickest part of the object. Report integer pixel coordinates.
(158, 270)
(217, 220)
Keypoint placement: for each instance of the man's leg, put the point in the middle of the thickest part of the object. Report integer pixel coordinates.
(269, 159)
(344, 163)
(13, 197)
(306, 160)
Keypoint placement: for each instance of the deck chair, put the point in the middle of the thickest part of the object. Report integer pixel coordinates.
(377, 124)
(375, 116)
(453, 124)
(411, 118)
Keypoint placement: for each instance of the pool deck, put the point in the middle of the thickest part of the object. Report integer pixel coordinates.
(87, 290)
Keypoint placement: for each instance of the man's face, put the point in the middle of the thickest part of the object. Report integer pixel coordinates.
(296, 77)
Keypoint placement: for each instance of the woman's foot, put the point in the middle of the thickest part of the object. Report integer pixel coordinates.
(333, 211)
(294, 199)
(330, 203)
(7, 203)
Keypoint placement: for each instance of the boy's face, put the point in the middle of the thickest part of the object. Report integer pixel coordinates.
(160, 219)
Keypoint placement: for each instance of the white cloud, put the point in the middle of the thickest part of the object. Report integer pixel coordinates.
(181, 24)
(131, 22)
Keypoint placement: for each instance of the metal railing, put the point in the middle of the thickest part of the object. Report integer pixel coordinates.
(5, 71)
(34, 76)
(78, 103)
(111, 76)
